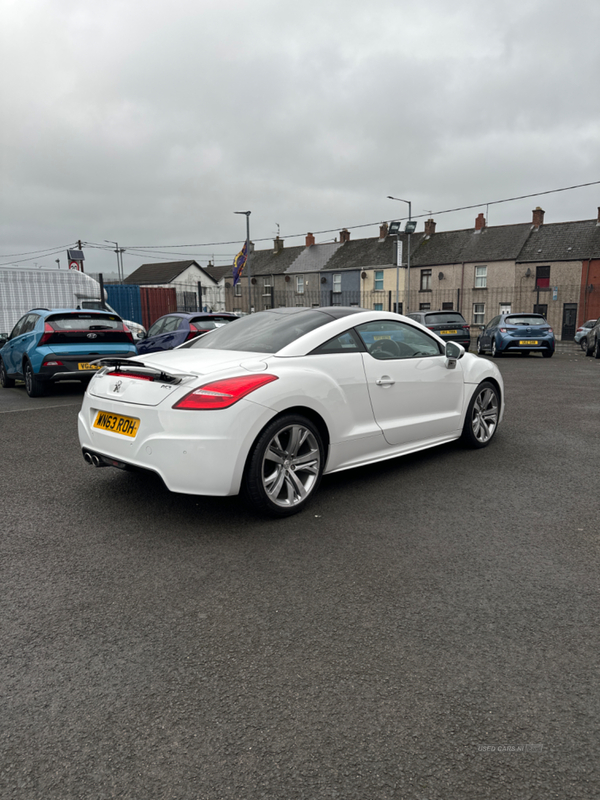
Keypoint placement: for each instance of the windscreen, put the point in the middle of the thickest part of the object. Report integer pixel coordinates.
(265, 332)
(525, 319)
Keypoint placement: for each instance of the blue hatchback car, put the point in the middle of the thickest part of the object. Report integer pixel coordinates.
(49, 345)
(517, 333)
(174, 329)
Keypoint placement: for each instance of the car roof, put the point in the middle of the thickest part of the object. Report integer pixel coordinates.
(48, 311)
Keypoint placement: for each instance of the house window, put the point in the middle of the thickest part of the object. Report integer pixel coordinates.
(447, 306)
(425, 280)
(542, 277)
(478, 313)
(378, 307)
(379, 281)
(424, 306)
(238, 289)
(299, 284)
(480, 277)
(505, 308)
(337, 283)
(267, 285)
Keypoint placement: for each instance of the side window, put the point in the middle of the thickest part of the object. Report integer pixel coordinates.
(385, 340)
(347, 342)
(156, 328)
(171, 324)
(18, 329)
(492, 323)
(30, 323)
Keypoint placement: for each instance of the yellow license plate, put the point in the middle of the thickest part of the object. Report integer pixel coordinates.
(448, 332)
(116, 423)
(528, 341)
(85, 365)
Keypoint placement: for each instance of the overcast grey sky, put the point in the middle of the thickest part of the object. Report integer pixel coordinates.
(150, 123)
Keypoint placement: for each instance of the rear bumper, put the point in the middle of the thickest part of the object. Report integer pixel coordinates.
(512, 345)
(72, 367)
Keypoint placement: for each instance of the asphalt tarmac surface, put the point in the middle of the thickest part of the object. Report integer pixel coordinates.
(427, 628)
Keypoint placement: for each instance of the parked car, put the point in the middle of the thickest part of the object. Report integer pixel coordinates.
(581, 334)
(174, 329)
(270, 404)
(517, 333)
(451, 326)
(593, 340)
(47, 346)
(138, 331)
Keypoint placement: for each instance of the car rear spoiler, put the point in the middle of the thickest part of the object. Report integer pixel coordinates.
(139, 368)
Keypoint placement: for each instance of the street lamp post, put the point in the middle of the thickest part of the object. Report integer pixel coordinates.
(408, 229)
(247, 215)
(118, 251)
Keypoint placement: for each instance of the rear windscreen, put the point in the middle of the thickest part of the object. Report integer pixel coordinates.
(85, 322)
(445, 318)
(525, 319)
(210, 323)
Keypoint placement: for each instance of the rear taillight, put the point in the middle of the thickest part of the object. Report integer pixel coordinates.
(128, 333)
(53, 364)
(430, 328)
(192, 333)
(466, 327)
(223, 393)
(121, 374)
(47, 335)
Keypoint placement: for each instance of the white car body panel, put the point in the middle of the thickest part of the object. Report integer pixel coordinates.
(205, 452)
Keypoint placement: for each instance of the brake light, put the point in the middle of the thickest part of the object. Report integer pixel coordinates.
(122, 374)
(467, 327)
(223, 393)
(430, 328)
(127, 332)
(47, 335)
(53, 364)
(192, 333)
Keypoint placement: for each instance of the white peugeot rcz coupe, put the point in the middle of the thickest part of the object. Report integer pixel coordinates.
(268, 404)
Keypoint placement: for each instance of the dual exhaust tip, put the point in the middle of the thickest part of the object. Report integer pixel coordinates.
(103, 461)
(94, 460)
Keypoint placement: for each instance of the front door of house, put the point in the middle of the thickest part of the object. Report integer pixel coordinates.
(569, 321)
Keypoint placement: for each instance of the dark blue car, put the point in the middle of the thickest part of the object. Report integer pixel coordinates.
(174, 329)
(49, 345)
(517, 333)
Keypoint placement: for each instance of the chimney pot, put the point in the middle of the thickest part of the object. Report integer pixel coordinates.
(310, 240)
(384, 230)
(429, 227)
(598, 220)
(538, 217)
(480, 222)
(345, 235)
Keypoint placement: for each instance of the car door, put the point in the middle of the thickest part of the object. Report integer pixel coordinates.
(488, 332)
(155, 339)
(414, 395)
(21, 339)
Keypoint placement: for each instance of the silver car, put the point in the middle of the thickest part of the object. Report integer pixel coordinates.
(593, 341)
(582, 332)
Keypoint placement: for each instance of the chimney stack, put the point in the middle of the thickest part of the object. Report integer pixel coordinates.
(538, 217)
(429, 227)
(598, 221)
(345, 235)
(310, 240)
(480, 222)
(383, 231)
(277, 245)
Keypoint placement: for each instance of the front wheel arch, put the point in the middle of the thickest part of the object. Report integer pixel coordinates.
(472, 433)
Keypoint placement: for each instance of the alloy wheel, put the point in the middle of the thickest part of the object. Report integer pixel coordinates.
(485, 415)
(291, 466)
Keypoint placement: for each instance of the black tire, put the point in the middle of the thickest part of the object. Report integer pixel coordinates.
(483, 413)
(597, 348)
(480, 350)
(33, 385)
(297, 456)
(5, 381)
(590, 348)
(495, 352)
(548, 353)
(583, 343)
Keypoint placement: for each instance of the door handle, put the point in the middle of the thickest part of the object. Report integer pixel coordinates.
(385, 380)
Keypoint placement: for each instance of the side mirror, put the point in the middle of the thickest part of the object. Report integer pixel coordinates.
(453, 353)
